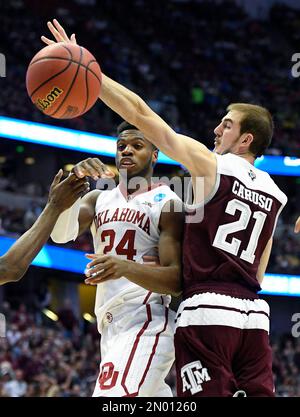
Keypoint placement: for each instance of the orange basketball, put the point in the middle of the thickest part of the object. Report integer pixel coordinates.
(63, 80)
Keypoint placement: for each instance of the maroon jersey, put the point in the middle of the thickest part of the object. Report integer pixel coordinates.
(222, 252)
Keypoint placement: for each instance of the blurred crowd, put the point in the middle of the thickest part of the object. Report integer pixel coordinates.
(40, 358)
(286, 366)
(188, 59)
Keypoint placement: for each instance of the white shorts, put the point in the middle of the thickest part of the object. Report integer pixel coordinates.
(212, 309)
(137, 352)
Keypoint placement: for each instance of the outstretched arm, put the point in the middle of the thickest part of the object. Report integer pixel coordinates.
(16, 261)
(192, 154)
(196, 157)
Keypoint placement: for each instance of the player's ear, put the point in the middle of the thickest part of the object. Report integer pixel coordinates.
(247, 139)
(154, 156)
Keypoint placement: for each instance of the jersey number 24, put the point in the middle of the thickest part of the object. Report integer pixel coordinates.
(124, 247)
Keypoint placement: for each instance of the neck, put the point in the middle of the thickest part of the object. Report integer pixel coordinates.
(136, 183)
(248, 156)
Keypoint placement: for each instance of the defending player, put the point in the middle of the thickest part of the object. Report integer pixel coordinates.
(129, 223)
(221, 338)
(16, 261)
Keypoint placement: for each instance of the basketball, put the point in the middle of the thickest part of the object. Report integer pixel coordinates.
(63, 80)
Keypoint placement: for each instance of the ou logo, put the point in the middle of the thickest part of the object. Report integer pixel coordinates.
(108, 376)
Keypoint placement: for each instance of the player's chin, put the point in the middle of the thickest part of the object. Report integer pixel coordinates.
(217, 149)
(130, 169)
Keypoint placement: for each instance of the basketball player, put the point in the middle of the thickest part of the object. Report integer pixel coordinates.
(62, 195)
(133, 221)
(297, 225)
(221, 340)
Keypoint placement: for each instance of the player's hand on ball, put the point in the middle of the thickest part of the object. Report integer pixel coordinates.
(58, 33)
(104, 267)
(92, 167)
(63, 194)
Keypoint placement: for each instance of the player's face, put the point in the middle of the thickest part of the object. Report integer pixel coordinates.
(134, 154)
(228, 134)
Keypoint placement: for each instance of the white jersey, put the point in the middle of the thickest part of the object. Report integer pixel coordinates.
(127, 226)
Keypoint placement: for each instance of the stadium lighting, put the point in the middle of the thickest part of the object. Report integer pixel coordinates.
(59, 137)
(281, 284)
(50, 314)
(77, 140)
(89, 318)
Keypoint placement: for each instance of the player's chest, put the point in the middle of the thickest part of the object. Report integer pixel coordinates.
(138, 214)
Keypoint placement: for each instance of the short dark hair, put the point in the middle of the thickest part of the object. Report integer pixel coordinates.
(258, 121)
(127, 126)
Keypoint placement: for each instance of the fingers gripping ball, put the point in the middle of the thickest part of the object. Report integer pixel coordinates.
(63, 80)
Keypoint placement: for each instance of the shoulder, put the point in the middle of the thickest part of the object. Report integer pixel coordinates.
(163, 193)
(172, 214)
(273, 189)
(91, 197)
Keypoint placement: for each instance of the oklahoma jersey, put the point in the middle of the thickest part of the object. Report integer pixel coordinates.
(222, 252)
(128, 226)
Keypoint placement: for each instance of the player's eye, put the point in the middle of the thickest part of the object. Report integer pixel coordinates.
(121, 147)
(138, 146)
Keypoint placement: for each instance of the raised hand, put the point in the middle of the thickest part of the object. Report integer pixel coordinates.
(92, 167)
(63, 194)
(58, 33)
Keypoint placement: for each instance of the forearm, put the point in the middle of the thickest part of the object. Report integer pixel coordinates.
(120, 99)
(66, 228)
(135, 111)
(16, 261)
(159, 279)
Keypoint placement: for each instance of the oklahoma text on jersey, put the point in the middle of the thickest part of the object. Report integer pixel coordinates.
(123, 215)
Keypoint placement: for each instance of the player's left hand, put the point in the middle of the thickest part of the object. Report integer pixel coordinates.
(58, 33)
(104, 267)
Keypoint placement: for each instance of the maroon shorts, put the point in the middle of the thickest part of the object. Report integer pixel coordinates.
(221, 346)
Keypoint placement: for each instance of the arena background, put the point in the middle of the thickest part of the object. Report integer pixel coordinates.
(188, 60)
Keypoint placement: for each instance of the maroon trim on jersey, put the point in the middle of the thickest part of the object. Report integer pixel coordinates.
(147, 297)
(133, 350)
(217, 307)
(232, 289)
(134, 394)
(123, 189)
(154, 349)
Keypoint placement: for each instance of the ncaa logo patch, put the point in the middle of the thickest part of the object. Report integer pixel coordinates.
(193, 375)
(159, 197)
(252, 174)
